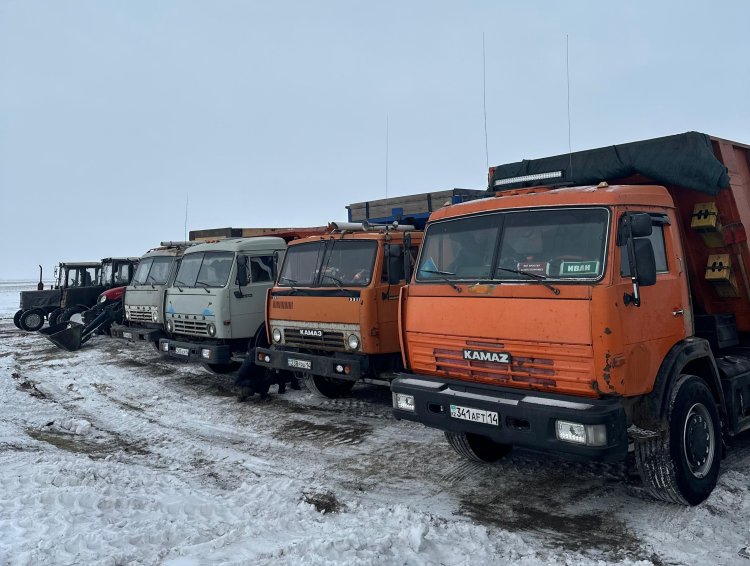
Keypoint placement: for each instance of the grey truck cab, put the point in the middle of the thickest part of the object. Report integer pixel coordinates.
(214, 309)
(144, 297)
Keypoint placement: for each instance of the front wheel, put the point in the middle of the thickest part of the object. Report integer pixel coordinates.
(683, 465)
(17, 319)
(222, 369)
(54, 316)
(328, 387)
(477, 448)
(31, 320)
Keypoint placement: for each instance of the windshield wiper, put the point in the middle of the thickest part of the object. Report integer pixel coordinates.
(536, 276)
(292, 282)
(177, 284)
(204, 285)
(339, 283)
(442, 275)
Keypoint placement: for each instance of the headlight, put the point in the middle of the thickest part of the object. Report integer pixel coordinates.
(353, 342)
(577, 433)
(206, 353)
(127, 314)
(170, 325)
(102, 298)
(403, 401)
(155, 316)
(211, 327)
(276, 335)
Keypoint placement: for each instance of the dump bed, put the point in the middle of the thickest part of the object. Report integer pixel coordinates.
(709, 180)
(410, 209)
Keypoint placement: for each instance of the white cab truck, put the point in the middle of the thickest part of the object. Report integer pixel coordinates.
(144, 297)
(215, 308)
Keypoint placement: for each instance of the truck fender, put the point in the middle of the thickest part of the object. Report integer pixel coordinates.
(692, 355)
(260, 339)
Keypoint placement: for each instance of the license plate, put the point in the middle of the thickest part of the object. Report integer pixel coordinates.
(127, 334)
(475, 415)
(299, 364)
(182, 351)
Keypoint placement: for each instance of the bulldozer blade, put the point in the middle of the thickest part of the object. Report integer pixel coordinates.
(66, 335)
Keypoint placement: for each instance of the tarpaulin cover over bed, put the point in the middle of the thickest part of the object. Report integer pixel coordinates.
(685, 160)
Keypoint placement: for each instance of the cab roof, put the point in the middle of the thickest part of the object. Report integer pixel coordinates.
(239, 245)
(538, 197)
(370, 235)
(80, 264)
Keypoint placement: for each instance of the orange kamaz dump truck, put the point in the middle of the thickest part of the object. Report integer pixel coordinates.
(332, 315)
(604, 312)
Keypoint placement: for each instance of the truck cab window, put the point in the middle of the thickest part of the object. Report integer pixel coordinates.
(660, 252)
(261, 269)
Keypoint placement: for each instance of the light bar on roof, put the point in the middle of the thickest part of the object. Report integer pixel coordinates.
(525, 178)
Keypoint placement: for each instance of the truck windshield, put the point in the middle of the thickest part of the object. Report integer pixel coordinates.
(153, 270)
(204, 269)
(331, 263)
(552, 244)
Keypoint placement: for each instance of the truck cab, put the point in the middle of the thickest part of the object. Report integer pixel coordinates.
(589, 321)
(144, 296)
(214, 309)
(332, 315)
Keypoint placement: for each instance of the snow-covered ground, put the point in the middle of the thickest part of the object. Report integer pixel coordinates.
(112, 455)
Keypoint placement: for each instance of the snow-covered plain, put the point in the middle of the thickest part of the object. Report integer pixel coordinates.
(112, 455)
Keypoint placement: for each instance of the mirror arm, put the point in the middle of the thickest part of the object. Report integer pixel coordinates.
(635, 297)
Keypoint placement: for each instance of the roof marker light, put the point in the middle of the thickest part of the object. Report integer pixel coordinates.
(525, 178)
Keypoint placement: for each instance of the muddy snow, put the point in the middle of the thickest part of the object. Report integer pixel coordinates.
(114, 455)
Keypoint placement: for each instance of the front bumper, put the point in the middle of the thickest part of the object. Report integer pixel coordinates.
(525, 418)
(136, 333)
(341, 366)
(204, 352)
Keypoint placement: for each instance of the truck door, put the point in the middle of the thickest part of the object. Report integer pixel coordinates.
(248, 303)
(649, 331)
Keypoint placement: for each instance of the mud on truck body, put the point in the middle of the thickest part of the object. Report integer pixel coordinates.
(143, 317)
(332, 316)
(215, 307)
(77, 287)
(590, 320)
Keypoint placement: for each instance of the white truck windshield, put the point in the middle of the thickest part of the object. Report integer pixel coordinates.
(205, 269)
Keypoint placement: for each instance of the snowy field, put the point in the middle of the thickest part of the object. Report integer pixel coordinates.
(112, 455)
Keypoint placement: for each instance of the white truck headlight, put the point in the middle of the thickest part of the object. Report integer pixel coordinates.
(127, 314)
(155, 316)
(577, 433)
(211, 328)
(403, 401)
(170, 325)
(353, 342)
(276, 335)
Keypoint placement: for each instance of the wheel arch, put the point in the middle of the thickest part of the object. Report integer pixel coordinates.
(691, 356)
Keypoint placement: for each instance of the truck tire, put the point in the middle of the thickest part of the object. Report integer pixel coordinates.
(31, 320)
(71, 312)
(17, 319)
(327, 387)
(54, 316)
(477, 448)
(682, 465)
(222, 369)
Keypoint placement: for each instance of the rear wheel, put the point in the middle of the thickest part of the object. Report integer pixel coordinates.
(475, 447)
(31, 320)
(682, 466)
(72, 314)
(54, 316)
(17, 319)
(328, 387)
(222, 369)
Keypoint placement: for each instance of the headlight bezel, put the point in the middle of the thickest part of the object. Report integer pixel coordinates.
(276, 336)
(211, 329)
(353, 342)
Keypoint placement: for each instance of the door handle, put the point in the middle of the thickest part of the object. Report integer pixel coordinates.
(678, 312)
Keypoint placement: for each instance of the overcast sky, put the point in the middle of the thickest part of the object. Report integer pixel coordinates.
(113, 114)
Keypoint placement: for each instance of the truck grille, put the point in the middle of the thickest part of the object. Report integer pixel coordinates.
(195, 327)
(562, 367)
(140, 316)
(330, 340)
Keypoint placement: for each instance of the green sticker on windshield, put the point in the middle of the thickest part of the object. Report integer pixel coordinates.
(579, 268)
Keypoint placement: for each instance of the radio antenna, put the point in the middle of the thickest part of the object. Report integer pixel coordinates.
(484, 103)
(567, 74)
(187, 200)
(386, 156)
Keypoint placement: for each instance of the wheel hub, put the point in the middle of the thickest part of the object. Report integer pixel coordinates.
(698, 440)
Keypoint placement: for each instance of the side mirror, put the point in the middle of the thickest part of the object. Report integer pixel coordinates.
(393, 250)
(645, 262)
(395, 267)
(242, 278)
(640, 225)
